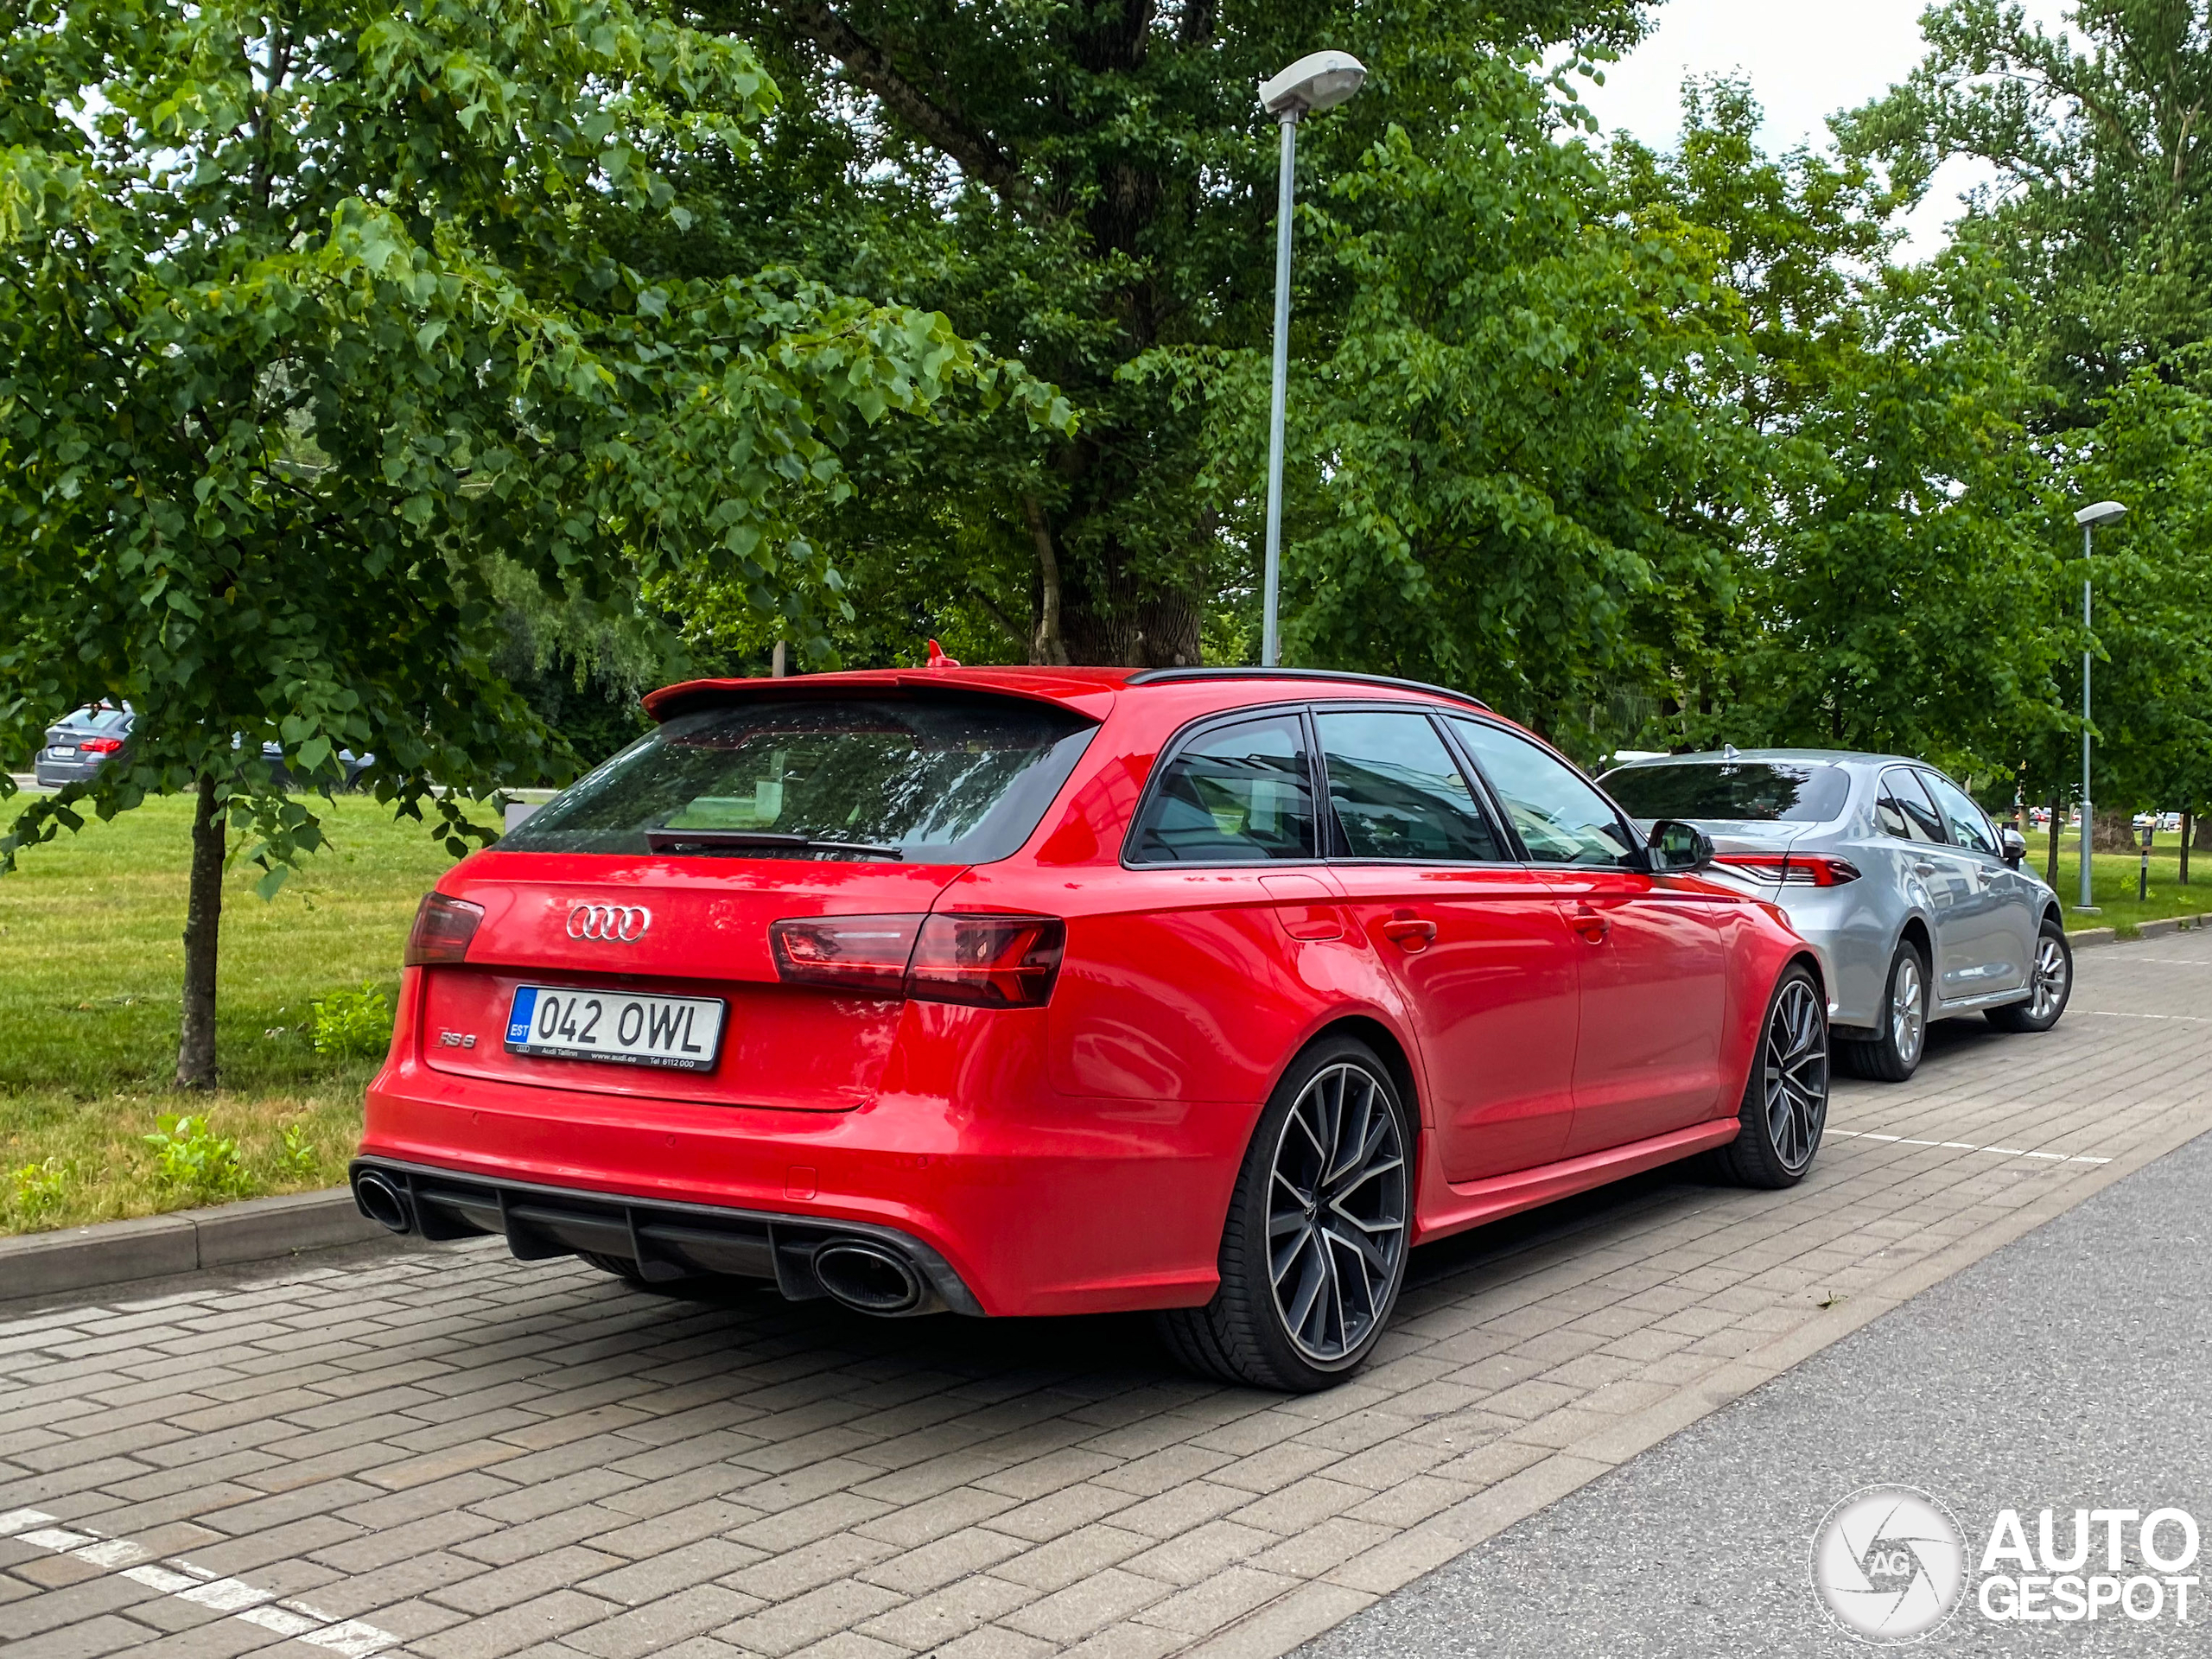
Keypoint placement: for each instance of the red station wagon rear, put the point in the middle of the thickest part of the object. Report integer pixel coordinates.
(1057, 991)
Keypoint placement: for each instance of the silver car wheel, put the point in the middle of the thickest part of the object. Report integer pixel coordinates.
(1908, 1009)
(2051, 977)
(1794, 1052)
(1336, 1212)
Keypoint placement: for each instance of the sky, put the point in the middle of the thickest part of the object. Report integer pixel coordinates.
(1806, 59)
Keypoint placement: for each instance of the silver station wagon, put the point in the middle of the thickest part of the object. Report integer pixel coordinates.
(1918, 907)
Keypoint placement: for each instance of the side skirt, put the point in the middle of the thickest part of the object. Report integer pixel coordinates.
(1447, 1209)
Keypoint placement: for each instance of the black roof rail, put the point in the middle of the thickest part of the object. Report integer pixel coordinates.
(1341, 676)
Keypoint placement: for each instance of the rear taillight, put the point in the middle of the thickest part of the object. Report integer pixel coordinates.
(986, 960)
(101, 745)
(993, 962)
(1792, 869)
(442, 929)
(868, 954)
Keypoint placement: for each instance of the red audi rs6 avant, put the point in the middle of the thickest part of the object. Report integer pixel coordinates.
(1028, 991)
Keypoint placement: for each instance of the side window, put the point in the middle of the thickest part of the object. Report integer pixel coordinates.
(1236, 794)
(1561, 818)
(1968, 827)
(1903, 808)
(1397, 794)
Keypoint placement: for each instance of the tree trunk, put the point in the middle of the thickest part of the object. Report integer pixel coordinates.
(2050, 863)
(2205, 833)
(2185, 827)
(2115, 831)
(203, 917)
(1048, 647)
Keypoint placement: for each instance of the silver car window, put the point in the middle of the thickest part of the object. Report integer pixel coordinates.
(1904, 810)
(1968, 827)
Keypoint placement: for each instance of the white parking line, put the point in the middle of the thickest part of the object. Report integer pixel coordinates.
(348, 1637)
(1966, 1146)
(2115, 1013)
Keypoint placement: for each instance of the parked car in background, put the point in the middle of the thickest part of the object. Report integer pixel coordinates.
(1919, 907)
(353, 765)
(1048, 991)
(79, 744)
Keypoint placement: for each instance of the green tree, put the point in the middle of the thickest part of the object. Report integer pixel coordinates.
(1503, 449)
(1078, 186)
(311, 319)
(2102, 210)
(2102, 217)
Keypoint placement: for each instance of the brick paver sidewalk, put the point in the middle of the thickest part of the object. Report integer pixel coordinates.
(451, 1453)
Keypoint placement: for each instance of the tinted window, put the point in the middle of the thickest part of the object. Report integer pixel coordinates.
(1561, 817)
(1904, 810)
(942, 781)
(1397, 792)
(1968, 827)
(100, 718)
(1760, 791)
(1233, 794)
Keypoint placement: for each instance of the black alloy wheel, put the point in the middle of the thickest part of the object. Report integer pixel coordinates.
(1314, 1250)
(1785, 1106)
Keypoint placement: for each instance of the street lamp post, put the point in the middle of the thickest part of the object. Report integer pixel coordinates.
(2104, 512)
(1319, 81)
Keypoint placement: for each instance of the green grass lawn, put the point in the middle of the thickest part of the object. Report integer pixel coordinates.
(2113, 879)
(91, 960)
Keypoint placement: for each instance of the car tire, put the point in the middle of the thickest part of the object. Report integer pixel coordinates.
(2051, 984)
(1785, 1106)
(1326, 1192)
(1892, 1051)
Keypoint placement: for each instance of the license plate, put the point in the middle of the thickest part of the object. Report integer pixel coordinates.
(62, 751)
(564, 1023)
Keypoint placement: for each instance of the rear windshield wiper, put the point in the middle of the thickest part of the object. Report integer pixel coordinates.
(740, 841)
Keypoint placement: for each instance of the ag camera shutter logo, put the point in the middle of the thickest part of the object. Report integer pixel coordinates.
(1889, 1564)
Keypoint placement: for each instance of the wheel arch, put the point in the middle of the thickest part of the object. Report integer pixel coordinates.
(1915, 929)
(1809, 960)
(1388, 1049)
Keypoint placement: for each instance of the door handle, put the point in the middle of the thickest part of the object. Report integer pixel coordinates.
(1923, 868)
(1416, 933)
(1590, 925)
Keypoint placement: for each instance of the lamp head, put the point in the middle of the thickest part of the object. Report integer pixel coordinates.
(2104, 512)
(1318, 81)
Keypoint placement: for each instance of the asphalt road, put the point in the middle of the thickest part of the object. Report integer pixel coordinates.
(2066, 1371)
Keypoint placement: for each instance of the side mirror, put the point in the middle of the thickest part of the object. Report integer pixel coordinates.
(2015, 845)
(1676, 846)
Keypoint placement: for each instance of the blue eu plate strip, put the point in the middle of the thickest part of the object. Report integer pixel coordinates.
(518, 1017)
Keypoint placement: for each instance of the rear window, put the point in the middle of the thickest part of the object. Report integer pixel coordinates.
(938, 780)
(101, 718)
(1743, 791)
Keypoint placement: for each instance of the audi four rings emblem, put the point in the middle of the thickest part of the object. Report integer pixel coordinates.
(612, 923)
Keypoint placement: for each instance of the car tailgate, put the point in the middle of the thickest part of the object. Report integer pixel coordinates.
(697, 927)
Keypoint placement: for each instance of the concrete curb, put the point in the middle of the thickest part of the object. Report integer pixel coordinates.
(2089, 936)
(152, 1247)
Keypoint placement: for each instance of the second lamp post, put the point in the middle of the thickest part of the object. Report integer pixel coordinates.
(2105, 512)
(1319, 81)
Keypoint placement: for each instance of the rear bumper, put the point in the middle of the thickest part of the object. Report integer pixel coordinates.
(51, 774)
(666, 1240)
(1032, 1202)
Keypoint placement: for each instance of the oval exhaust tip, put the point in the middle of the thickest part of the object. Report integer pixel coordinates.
(867, 1278)
(380, 1201)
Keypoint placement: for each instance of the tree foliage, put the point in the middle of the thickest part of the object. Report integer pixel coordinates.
(311, 314)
